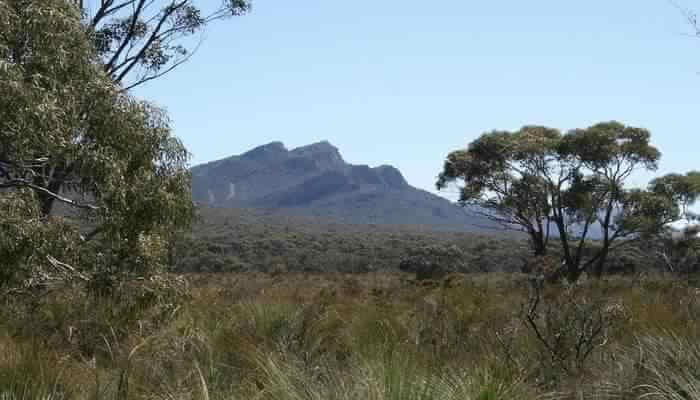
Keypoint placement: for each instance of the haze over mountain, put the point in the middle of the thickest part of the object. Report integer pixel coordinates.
(314, 180)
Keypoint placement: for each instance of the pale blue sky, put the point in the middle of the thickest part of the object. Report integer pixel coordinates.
(406, 82)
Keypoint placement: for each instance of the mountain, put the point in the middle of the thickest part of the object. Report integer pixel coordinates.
(314, 180)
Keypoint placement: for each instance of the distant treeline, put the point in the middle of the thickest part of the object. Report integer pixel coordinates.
(227, 240)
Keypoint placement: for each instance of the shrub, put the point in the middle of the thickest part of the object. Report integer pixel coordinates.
(434, 261)
(547, 268)
(568, 325)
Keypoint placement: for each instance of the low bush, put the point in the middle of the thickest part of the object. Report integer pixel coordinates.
(434, 261)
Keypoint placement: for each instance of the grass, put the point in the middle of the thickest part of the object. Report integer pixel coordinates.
(342, 336)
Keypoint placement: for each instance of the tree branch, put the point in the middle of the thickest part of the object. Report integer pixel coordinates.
(66, 269)
(130, 34)
(16, 183)
(158, 75)
(154, 35)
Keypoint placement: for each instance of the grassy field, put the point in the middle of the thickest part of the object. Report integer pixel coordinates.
(359, 336)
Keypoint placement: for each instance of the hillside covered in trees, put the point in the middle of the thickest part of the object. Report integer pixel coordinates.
(236, 240)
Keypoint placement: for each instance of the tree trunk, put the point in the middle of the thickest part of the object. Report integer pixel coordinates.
(45, 204)
(599, 266)
(538, 244)
(573, 272)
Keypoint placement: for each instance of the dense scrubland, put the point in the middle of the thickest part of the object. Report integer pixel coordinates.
(358, 336)
(261, 307)
(123, 298)
(237, 240)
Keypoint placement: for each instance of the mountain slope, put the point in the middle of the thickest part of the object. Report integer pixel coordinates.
(315, 180)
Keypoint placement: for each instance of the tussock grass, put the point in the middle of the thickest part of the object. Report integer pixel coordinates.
(333, 336)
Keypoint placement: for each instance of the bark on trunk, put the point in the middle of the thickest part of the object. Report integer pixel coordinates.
(538, 244)
(599, 266)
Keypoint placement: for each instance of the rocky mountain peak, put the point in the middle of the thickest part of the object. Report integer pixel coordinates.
(391, 176)
(315, 180)
(270, 151)
(323, 153)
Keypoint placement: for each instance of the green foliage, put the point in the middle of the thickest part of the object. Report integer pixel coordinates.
(537, 178)
(72, 137)
(376, 336)
(684, 190)
(569, 326)
(434, 262)
(610, 144)
(680, 253)
(645, 212)
(234, 240)
(141, 40)
(237, 240)
(502, 173)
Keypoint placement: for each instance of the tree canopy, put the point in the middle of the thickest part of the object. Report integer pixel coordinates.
(683, 189)
(69, 135)
(141, 40)
(539, 180)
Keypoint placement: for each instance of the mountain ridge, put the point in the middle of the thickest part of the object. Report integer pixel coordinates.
(315, 180)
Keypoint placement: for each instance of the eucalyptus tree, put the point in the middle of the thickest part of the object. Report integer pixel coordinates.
(502, 179)
(69, 135)
(684, 189)
(136, 41)
(679, 246)
(141, 40)
(537, 178)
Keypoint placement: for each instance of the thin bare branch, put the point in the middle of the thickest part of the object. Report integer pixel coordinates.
(17, 183)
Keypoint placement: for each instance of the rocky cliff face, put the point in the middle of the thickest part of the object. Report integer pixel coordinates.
(315, 180)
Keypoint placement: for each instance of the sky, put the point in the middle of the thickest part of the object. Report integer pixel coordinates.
(405, 82)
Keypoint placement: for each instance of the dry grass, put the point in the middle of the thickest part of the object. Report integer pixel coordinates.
(336, 336)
